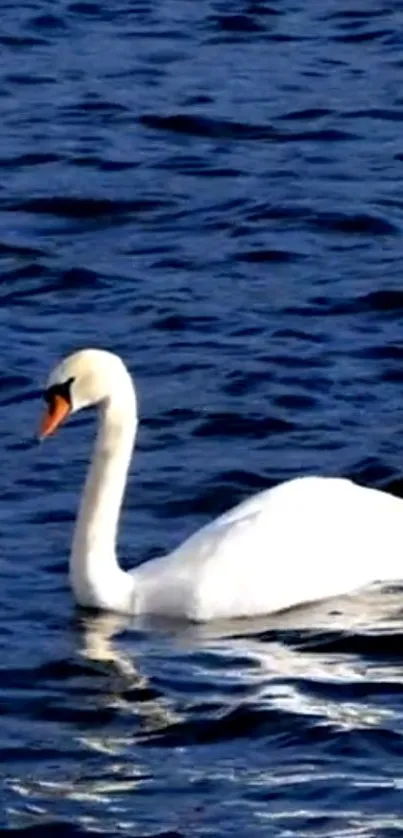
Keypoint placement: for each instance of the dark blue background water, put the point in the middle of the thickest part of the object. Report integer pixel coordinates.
(215, 191)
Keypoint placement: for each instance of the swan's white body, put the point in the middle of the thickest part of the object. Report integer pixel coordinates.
(308, 539)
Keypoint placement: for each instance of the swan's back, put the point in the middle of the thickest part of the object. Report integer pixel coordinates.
(307, 539)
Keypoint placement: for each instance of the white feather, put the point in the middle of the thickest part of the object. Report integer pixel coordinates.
(308, 539)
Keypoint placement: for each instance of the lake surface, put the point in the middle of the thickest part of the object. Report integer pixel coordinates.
(214, 190)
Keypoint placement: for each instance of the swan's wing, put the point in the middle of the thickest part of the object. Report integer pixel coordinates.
(307, 539)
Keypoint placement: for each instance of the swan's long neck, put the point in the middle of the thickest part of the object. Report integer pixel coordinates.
(95, 575)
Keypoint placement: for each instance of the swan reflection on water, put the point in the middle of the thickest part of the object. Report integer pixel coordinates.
(145, 682)
(279, 661)
(129, 690)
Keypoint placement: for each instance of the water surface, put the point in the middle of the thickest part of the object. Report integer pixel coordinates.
(213, 190)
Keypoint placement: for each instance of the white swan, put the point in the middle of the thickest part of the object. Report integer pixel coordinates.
(308, 539)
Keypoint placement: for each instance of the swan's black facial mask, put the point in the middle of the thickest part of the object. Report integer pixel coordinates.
(59, 404)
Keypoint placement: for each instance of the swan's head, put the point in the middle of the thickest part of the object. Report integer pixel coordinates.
(87, 377)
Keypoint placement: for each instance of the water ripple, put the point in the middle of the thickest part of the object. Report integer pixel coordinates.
(214, 192)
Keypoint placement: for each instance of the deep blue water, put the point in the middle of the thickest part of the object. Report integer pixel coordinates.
(215, 191)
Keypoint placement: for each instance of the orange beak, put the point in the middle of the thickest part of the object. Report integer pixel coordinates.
(56, 413)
